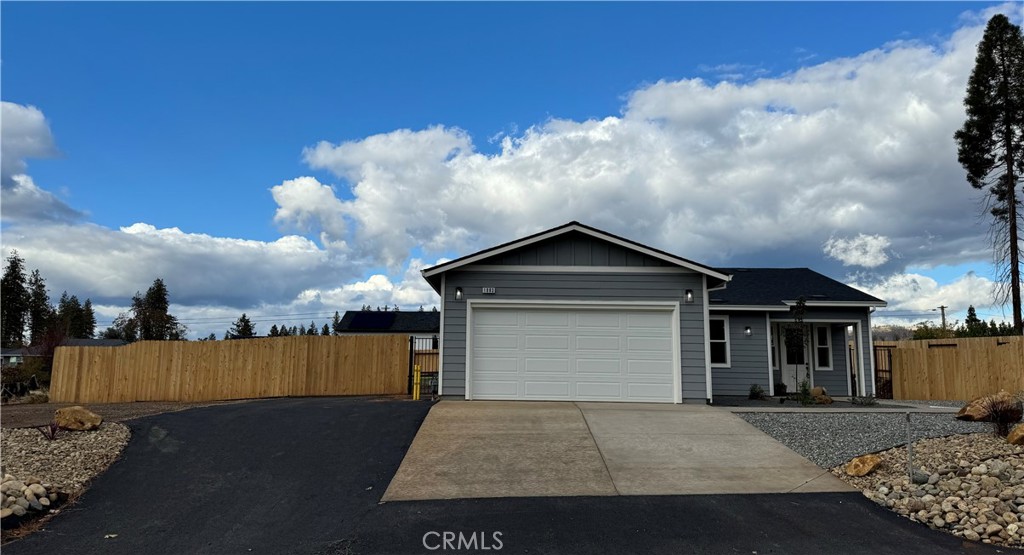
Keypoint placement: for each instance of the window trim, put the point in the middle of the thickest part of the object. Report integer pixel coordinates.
(827, 345)
(727, 341)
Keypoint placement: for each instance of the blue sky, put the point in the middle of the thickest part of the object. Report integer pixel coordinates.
(186, 115)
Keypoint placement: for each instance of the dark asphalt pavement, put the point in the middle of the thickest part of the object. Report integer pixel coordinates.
(305, 476)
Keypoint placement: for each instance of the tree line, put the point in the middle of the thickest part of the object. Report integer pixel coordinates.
(972, 326)
(28, 318)
(243, 328)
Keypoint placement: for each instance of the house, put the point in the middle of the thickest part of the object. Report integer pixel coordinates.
(576, 313)
(422, 325)
(14, 357)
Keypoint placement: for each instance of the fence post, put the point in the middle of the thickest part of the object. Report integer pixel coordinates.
(412, 358)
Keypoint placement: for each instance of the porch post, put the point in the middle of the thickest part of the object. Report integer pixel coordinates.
(771, 353)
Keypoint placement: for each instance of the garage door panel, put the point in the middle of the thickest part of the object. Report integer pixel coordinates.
(648, 392)
(495, 364)
(547, 390)
(496, 318)
(508, 389)
(649, 367)
(646, 320)
(605, 320)
(598, 343)
(573, 354)
(547, 342)
(547, 319)
(598, 366)
(489, 341)
(598, 390)
(654, 344)
(547, 365)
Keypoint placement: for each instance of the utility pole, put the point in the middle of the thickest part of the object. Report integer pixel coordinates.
(943, 309)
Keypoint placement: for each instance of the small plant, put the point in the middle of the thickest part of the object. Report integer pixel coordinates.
(50, 431)
(780, 389)
(1004, 411)
(804, 395)
(867, 401)
(756, 393)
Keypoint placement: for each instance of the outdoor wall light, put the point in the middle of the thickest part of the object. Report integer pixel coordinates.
(458, 293)
(689, 295)
(747, 331)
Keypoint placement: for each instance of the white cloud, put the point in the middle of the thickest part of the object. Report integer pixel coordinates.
(25, 134)
(863, 250)
(916, 292)
(723, 173)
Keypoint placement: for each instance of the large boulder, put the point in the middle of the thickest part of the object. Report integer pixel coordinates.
(863, 465)
(77, 418)
(1016, 436)
(818, 391)
(822, 399)
(979, 409)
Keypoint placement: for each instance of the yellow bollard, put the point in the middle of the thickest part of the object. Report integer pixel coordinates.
(416, 382)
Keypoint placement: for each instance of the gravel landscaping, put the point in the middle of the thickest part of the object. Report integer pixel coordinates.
(67, 462)
(829, 439)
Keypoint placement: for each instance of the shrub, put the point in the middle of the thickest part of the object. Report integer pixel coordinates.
(804, 395)
(50, 431)
(780, 389)
(756, 392)
(868, 401)
(1003, 412)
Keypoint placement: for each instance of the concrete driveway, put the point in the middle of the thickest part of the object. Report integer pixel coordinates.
(530, 449)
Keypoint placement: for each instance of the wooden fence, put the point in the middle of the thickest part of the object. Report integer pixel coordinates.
(238, 369)
(956, 369)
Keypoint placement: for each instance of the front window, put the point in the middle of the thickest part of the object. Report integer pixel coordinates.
(718, 340)
(823, 347)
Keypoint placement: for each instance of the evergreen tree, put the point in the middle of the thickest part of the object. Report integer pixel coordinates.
(336, 324)
(88, 320)
(990, 145)
(242, 328)
(326, 330)
(300, 331)
(149, 318)
(311, 330)
(14, 302)
(273, 331)
(40, 312)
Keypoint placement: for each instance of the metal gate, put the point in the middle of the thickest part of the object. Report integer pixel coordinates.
(424, 354)
(883, 371)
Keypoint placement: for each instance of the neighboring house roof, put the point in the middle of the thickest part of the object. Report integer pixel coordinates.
(782, 287)
(37, 350)
(372, 321)
(433, 274)
(76, 342)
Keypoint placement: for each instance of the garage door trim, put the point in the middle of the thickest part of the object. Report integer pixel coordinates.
(658, 306)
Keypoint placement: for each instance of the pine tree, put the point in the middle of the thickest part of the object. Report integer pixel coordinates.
(88, 320)
(336, 324)
(14, 302)
(301, 330)
(242, 328)
(40, 312)
(990, 145)
(311, 330)
(326, 330)
(273, 331)
(148, 318)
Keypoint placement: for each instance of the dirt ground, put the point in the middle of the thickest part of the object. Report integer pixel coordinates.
(40, 414)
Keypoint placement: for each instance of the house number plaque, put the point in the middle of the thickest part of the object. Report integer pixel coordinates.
(489, 291)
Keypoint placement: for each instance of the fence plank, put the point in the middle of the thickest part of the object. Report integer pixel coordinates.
(956, 369)
(241, 369)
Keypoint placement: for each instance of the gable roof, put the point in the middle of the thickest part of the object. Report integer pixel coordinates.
(373, 321)
(781, 287)
(433, 274)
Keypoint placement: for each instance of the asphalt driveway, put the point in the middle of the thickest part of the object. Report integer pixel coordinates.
(297, 476)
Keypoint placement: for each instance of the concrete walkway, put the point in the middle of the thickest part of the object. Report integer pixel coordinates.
(528, 449)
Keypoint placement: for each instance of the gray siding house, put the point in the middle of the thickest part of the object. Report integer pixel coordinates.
(576, 313)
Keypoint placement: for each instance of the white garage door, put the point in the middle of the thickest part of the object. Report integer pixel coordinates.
(578, 354)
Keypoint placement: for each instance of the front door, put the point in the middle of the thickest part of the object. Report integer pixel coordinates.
(794, 356)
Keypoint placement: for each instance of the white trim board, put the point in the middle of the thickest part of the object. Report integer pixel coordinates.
(707, 346)
(661, 306)
(838, 304)
(567, 229)
(771, 355)
(440, 346)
